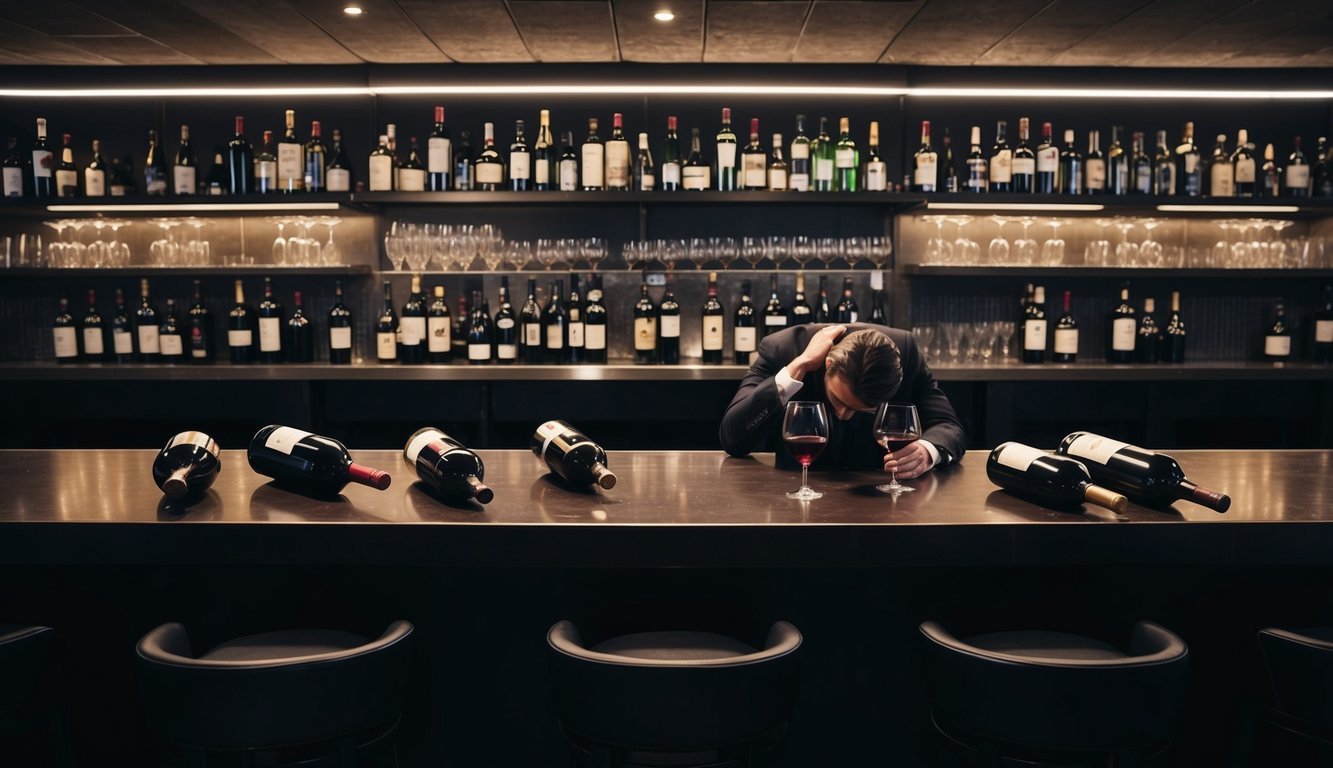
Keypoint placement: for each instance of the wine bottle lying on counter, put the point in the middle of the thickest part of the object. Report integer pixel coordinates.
(1146, 476)
(1056, 481)
(308, 463)
(572, 455)
(187, 466)
(447, 466)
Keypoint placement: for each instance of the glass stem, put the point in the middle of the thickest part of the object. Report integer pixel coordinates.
(805, 469)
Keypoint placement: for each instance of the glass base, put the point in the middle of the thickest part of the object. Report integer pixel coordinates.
(895, 488)
(806, 493)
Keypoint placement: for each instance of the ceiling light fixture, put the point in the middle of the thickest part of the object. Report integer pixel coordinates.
(664, 15)
(353, 10)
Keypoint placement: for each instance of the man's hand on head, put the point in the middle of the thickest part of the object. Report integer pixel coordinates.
(812, 359)
(907, 463)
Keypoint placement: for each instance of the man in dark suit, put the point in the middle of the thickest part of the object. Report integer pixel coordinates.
(851, 368)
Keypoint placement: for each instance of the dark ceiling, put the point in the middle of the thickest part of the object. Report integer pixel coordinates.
(1033, 33)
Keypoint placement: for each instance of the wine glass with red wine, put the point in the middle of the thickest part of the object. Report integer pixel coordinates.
(805, 431)
(897, 426)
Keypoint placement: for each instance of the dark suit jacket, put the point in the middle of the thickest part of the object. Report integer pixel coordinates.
(753, 421)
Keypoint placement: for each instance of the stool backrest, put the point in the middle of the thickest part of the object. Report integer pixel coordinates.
(1300, 670)
(26, 655)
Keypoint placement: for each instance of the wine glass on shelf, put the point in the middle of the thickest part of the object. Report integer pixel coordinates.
(938, 250)
(1026, 248)
(805, 431)
(966, 251)
(878, 250)
(1126, 253)
(280, 242)
(1098, 252)
(332, 252)
(998, 251)
(119, 251)
(897, 426)
(1151, 252)
(1053, 250)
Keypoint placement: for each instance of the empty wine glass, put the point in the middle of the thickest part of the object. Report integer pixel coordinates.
(1098, 252)
(879, 250)
(1150, 251)
(897, 426)
(938, 250)
(280, 242)
(1026, 249)
(1126, 253)
(1053, 250)
(998, 251)
(966, 251)
(805, 430)
(332, 253)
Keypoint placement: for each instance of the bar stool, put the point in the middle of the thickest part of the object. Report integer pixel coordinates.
(1051, 698)
(311, 697)
(673, 698)
(31, 729)
(1297, 729)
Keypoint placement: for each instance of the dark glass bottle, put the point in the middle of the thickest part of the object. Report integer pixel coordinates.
(386, 329)
(185, 171)
(300, 334)
(316, 161)
(745, 334)
(695, 174)
(157, 171)
(291, 157)
(43, 164)
(530, 326)
(1121, 330)
(1094, 167)
(801, 312)
(644, 171)
(1173, 335)
(1025, 162)
(463, 162)
(122, 331)
(187, 465)
(412, 326)
(488, 170)
(1296, 180)
(825, 154)
(1048, 162)
(1322, 351)
(1189, 164)
(713, 321)
(93, 332)
(146, 326)
(462, 324)
(16, 171)
(241, 329)
(1140, 168)
(1243, 167)
(671, 157)
(1277, 337)
(447, 467)
(1117, 164)
(1163, 168)
(1054, 481)
(266, 165)
(520, 160)
(799, 180)
(925, 163)
(412, 172)
(1071, 167)
(568, 165)
(877, 313)
(617, 171)
(726, 154)
(668, 328)
(948, 170)
(847, 311)
(823, 310)
(544, 158)
(595, 322)
(439, 328)
(978, 170)
(1001, 161)
(754, 161)
(1034, 328)
(307, 463)
(1065, 348)
(1149, 336)
(645, 328)
(480, 340)
(169, 337)
(65, 334)
(338, 173)
(217, 174)
(67, 173)
(439, 155)
(571, 455)
(592, 152)
(775, 313)
(240, 162)
(576, 323)
(270, 325)
(340, 328)
(555, 325)
(505, 327)
(1143, 475)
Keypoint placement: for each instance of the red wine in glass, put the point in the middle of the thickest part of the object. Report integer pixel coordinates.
(897, 426)
(805, 431)
(806, 448)
(896, 442)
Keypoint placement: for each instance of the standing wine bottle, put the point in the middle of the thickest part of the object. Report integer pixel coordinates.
(775, 313)
(948, 170)
(575, 322)
(846, 160)
(823, 312)
(645, 175)
(1034, 327)
(65, 334)
(15, 171)
(1189, 164)
(847, 310)
(1321, 183)
(67, 173)
(300, 334)
(122, 335)
(185, 171)
(1322, 349)
(240, 162)
(1094, 167)
(595, 318)
(1277, 337)
(800, 309)
(216, 181)
(1270, 177)
(146, 326)
(568, 178)
(778, 169)
(439, 328)
(544, 156)
(645, 328)
(307, 463)
(1148, 340)
(1142, 475)
(593, 155)
(800, 158)
(412, 326)
(878, 315)
(1140, 168)
(462, 326)
(745, 336)
(506, 328)
(571, 455)
(447, 467)
(1025, 162)
(157, 172)
(1296, 182)
(726, 154)
(1048, 162)
(617, 155)
(169, 338)
(1221, 175)
(555, 325)
(463, 162)
(695, 173)
(439, 154)
(876, 170)
(93, 332)
(1117, 164)
(266, 165)
(530, 326)
(1243, 168)
(316, 160)
(270, 326)
(479, 335)
(1066, 335)
(43, 164)
(1173, 336)
(1048, 480)
(120, 179)
(824, 156)
(382, 167)
(291, 157)
(754, 162)
(386, 329)
(488, 169)
(1071, 166)
(340, 328)
(978, 175)
(1121, 330)
(668, 328)
(1001, 161)
(520, 160)
(1163, 168)
(187, 465)
(671, 157)
(711, 324)
(241, 329)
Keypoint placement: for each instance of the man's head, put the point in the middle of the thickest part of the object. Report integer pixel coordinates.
(861, 371)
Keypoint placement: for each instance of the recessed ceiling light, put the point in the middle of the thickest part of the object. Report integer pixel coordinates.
(353, 10)
(664, 15)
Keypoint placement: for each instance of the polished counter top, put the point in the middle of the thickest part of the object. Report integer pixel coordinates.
(668, 509)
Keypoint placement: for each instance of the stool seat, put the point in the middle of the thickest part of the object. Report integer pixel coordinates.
(675, 645)
(1297, 728)
(1046, 645)
(285, 646)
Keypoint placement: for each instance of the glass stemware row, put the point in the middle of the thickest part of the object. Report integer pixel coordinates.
(300, 248)
(458, 247)
(71, 246)
(776, 251)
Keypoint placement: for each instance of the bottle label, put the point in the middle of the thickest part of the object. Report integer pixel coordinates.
(695, 177)
(671, 326)
(520, 165)
(712, 334)
(67, 344)
(1096, 170)
(569, 175)
(1048, 158)
(381, 173)
(183, 180)
(1066, 341)
(240, 338)
(1096, 448)
(645, 333)
(1034, 335)
(67, 183)
(411, 180)
(976, 174)
(1323, 331)
(1298, 177)
(284, 439)
(13, 182)
(594, 337)
(92, 341)
(506, 351)
(799, 182)
(122, 342)
(542, 172)
(670, 173)
(532, 334)
(593, 176)
(42, 161)
(823, 169)
(775, 320)
(270, 334)
(504, 323)
(1166, 179)
(576, 334)
(1018, 456)
(1002, 166)
(753, 170)
(340, 338)
(800, 150)
(386, 345)
(148, 343)
(437, 334)
(439, 155)
(1244, 170)
(413, 330)
(744, 340)
(172, 345)
(555, 336)
(94, 183)
(423, 439)
(1223, 183)
(1123, 335)
(1025, 166)
(845, 158)
(478, 351)
(290, 166)
(926, 166)
(726, 155)
(194, 438)
(877, 177)
(617, 164)
(1277, 346)
(647, 182)
(777, 180)
(266, 174)
(339, 180)
(489, 173)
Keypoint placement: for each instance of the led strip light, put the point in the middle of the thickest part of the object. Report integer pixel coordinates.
(169, 207)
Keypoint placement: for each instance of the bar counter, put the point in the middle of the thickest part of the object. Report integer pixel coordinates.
(669, 509)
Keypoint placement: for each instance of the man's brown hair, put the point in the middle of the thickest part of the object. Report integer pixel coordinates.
(870, 363)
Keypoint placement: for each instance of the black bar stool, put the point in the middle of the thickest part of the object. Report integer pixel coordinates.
(681, 699)
(1298, 728)
(1051, 698)
(31, 726)
(308, 697)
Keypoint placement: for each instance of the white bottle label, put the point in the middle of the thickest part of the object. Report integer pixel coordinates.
(122, 342)
(569, 175)
(291, 170)
(845, 158)
(340, 338)
(1123, 335)
(576, 334)
(1298, 177)
(1034, 335)
(240, 338)
(339, 180)
(594, 337)
(1066, 341)
(183, 180)
(617, 164)
(413, 330)
(489, 173)
(877, 177)
(726, 155)
(671, 173)
(422, 440)
(1323, 331)
(775, 320)
(671, 326)
(753, 171)
(381, 173)
(532, 334)
(713, 334)
(1018, 456)
(479, 351)
(148, 343)
(1223, 183)
(439, 155)
(696, 177)
(284, 439)
(1048, 159)
(386, 346)
(411, 180)
(926, 165)
(67, 344)
(1277, 346)
(800, 150)
(1002, 166)
(1244, 170)
(799, 182)
(542, 173)
(1024, 166)
(777, 180)
(823, 169)
(94, 183)
(13, 182)
(645, 333)
(1096, 448)
(555, 337)
(745, 339)
(270, 334)
(437, 334)
(172, 346)
(42, 162)
(506, 351)
(67, 183)
(520, 165)
(266, 174)
(92, 341)
(593, 176)
(1096, 173)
